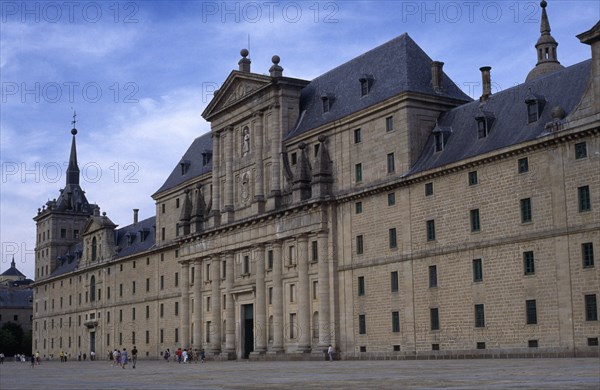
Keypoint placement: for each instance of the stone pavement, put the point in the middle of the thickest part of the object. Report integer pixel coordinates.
(570, 373)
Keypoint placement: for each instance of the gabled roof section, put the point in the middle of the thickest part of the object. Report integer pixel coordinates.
(397, 66)
(237, 86)
(198, 159)
(97, 222)
(15, 298)
(12, 271)
(562, 89)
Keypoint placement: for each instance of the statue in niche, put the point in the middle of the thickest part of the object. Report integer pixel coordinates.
(245, 188)
(246, 142)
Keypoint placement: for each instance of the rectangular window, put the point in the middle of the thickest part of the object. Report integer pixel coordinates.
(435, 318)
(120, 315)
(292, 293)
(357, 136)
(580, 150)
(147, 337)
(584, 198)
(477, 270)
(473, 178)
(121, 290)
(162, 282)
(133, 287)
(390, 163)
(315, 251)
(147, 311)
(431, 230)
(133, 313)
(428, 189)
(176, 308)
(362, 324)
(591, 308)
(395, 321)
(162, 336)
(393, 241)
(294, 158)
(358, 172)
(523, 165)
(475, 223)
(394, 281)
(525, 210)
(162, 234)
(208, 305)
(587, 254)
(432, 276)
(592, 341)
(108, 292)
(176, 279)
(162, 310)
(532, 343)
(358, 207)
(528, 263)
(63, 233)
(359, 245)
(389, 123)
(176, 335)
(147, 284)
(479, 316)
(315, 289)
(270, 295)
(391, 198)
(361, 286)
(270, 259)
(531, 311)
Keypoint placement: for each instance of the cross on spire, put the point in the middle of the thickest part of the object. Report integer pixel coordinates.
(74, 121)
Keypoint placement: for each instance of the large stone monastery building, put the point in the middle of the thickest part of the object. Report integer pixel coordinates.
(376, 208)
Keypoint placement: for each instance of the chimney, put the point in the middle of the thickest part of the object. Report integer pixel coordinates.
(486, 83)
(276, 70)
(437, 76)
(135, 216)
(244, 63)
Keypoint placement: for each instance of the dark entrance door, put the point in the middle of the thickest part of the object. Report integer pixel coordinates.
(247, 330)
(92, 341)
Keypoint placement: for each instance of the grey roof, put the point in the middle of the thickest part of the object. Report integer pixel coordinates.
(68, 261)
(15, 297)
(397, 66)
(136, 238)
(12, 271)
(194, 159)
(564, 88)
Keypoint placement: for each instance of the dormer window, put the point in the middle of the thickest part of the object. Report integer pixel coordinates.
(440, 137)
(484, 119)
(206, 157)
(130, 238)
(365, 84)
(535, 106)
(185, 165)
(326, 100)
(143, 234)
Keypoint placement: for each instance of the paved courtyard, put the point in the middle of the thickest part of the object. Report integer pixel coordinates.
(447, 374)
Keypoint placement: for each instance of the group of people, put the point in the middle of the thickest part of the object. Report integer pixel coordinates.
(121, 358)
(186, 355)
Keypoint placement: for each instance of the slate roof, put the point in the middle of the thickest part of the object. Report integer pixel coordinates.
(397, 66)
(564, 88)
(129, 246)
(15, 298)
(12, 271)
(193, 157)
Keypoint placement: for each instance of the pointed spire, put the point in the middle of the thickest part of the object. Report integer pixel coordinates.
(73, 169)
(547, 59)
(12, 263)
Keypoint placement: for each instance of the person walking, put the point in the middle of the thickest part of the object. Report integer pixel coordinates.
(134, 353)
(32, 361)
(1, 358)
(330, 353)
(124, 358)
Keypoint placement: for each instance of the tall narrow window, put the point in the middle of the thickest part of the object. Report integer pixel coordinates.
(246, 265)
(587, 254)
(92, 288)
(315, 251)
(358, 172)
(362, 324)
(591, 308)
(473, 178)
(357, 136)
(394, 281)
(94, 249)
(358, 207)
(390, 163)
(391, 198)
(393, 242)
(477, 270)
(431, 230)
(525, 210)
(434, 318)
(584, 198)
(531, 311)
(580, 150)
(359, 245)
(361, 286)
(432, 276)
(270, 259)
(475, 223)
(389, 123)
(479, 316)
(528, 263)
(395, 321)
(428, 189)
(523, 165)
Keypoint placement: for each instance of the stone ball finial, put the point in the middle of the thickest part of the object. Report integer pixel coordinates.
(275, 59)
(543, 4)
(302, 145)
(322, 138)
(244, 53)
(104, 213)
(558, 112)
(74, 131)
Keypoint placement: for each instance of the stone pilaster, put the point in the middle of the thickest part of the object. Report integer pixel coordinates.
(215, 308)
(261, 303)
(228, 207)
(276, 158)
(185, 305)
(324, 304)
(303, 296)
(277, 345)
(230, 306)
(197, 318)
(259, 185)
(216, 179)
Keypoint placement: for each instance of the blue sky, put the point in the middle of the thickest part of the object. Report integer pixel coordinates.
(140, 73)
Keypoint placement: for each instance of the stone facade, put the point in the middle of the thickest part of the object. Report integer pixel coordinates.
(389, 228)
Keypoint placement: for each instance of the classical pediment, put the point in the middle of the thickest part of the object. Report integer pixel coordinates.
(98, 223)
(237, 87)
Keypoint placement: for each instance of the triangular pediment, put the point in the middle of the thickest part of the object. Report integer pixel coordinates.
(95, 224)
(237, 87)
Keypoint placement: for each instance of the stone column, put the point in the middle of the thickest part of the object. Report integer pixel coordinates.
(197, 319)
(185, 305)
(259, 185)
(261, 303)
(303, 296)
(215, 301)
(230, 309)
(324, 305)
(228, 207)
(216, 179)
(275, 156)
(277, 299)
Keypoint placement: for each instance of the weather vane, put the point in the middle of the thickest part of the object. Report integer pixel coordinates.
(74, 118)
